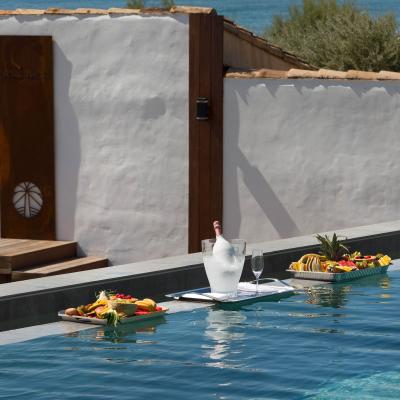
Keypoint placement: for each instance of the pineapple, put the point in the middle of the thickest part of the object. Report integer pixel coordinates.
(333, 249)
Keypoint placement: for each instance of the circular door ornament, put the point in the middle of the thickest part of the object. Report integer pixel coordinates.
(27, 199)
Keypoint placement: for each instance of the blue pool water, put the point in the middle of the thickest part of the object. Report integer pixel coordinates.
(253, 14)
(335, 342)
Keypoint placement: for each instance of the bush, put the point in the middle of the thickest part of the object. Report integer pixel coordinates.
(334, 35)
(142, 3)
(135, 4)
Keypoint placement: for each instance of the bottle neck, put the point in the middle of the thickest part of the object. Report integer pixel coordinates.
(217, 228)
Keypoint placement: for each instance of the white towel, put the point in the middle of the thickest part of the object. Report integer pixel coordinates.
(218, 296)
(264, 288)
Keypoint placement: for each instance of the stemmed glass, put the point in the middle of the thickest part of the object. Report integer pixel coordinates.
(257, 265)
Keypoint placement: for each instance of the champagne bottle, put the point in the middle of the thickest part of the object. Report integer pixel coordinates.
(223, 251)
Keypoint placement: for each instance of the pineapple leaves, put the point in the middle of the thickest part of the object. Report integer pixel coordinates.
(333, 249)
(112, 318)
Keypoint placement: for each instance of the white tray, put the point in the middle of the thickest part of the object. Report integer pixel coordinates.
(277, 287)
(338, 277)
(98, 321)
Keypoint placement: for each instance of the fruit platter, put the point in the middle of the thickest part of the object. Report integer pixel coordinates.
(113, 308)
(335, 263)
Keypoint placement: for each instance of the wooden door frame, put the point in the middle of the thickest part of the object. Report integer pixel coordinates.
(205, 136)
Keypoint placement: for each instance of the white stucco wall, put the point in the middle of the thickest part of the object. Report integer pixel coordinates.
(306, 156)
(121, 126)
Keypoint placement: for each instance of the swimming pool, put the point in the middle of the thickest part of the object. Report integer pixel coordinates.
(332, 342)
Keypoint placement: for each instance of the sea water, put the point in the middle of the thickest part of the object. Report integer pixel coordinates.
(255, 15)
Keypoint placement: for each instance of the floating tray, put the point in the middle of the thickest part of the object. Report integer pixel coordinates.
(204, 294)
(98, 321)
(338, 277)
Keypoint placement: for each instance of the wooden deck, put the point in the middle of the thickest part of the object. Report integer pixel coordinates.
(26, 259)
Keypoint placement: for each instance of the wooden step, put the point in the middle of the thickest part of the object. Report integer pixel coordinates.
(64, 267)
(17, 254)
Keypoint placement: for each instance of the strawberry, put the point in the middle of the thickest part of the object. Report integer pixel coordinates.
(347, 263)
(351, 264)
(142, 312)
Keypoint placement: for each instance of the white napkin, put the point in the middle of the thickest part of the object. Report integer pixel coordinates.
(195, 296)
(217, 296)
(265, 288)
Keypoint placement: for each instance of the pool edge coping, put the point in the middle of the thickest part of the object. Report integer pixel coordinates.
(175, 263)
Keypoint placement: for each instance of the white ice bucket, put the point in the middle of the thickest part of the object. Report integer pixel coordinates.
(223, 277)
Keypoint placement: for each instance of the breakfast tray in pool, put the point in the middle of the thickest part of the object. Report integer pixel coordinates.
(246, 291)
(98, 321)
(338, 277)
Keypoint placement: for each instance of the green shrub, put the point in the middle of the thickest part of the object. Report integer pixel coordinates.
(135, 4)
(142, 3)
(334, 35)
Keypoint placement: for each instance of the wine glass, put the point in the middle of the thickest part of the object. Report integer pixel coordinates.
(257, 265)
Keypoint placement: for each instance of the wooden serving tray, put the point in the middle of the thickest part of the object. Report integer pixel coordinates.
(98, 321)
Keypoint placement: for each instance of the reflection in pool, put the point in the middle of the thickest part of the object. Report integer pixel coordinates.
(222, 330)
(332, 342)
(120, 334)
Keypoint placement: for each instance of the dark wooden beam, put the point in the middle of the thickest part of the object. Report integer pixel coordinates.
(205, 136)
(27, 137)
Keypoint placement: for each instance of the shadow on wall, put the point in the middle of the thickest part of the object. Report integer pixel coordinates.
(256, 183)
(68, 151)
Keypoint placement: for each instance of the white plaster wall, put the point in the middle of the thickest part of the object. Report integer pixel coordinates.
(306, 156)
(121, 122)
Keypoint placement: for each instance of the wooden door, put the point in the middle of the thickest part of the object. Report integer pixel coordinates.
(205, 136)
(27, 137)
